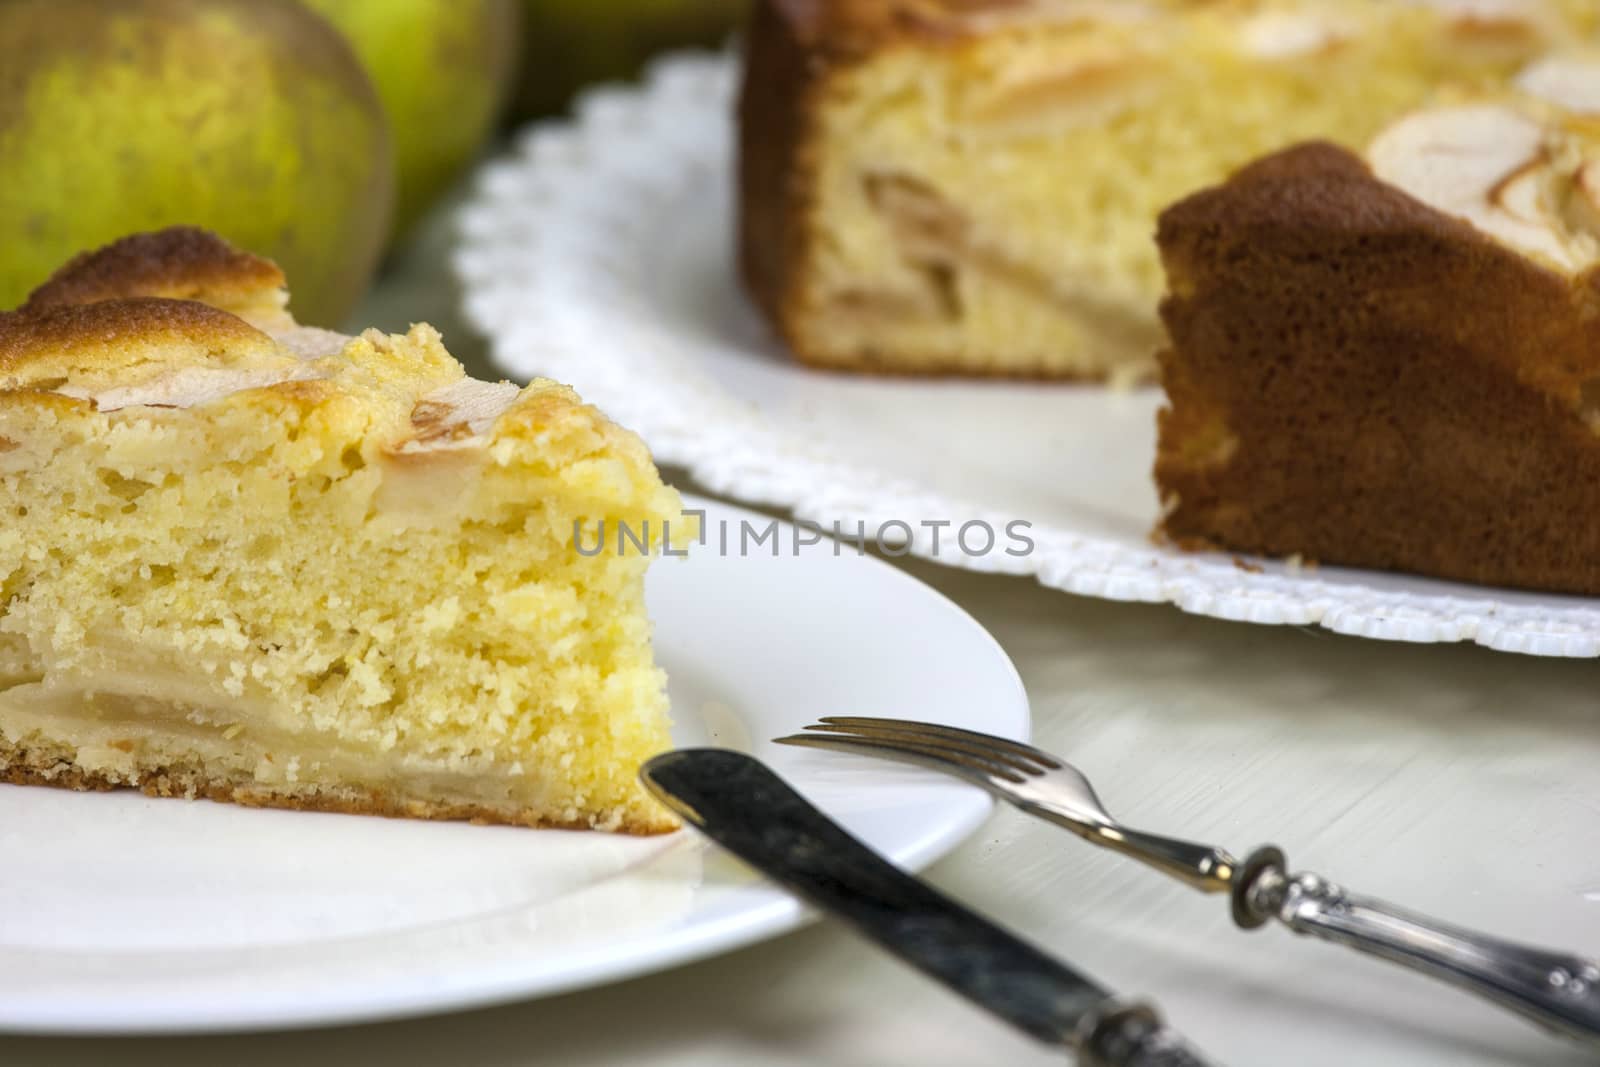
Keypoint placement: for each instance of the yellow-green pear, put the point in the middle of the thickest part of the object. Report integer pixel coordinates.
(442, 68)
(568, 44)
(252, 118)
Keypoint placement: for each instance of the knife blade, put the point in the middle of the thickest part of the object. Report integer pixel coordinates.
(742, 805)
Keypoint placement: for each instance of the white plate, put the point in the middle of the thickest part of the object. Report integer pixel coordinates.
(124, 914)
(601, 254)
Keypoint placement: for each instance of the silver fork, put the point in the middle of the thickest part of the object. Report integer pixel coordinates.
(1556, 990)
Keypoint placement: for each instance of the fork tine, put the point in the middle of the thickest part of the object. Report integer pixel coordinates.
(952, 748)
(930, 730)
(971, 768)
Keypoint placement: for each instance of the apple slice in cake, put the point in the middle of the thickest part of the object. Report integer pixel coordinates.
(253, 561)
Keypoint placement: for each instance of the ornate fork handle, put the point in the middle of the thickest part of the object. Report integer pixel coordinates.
(1553, 989)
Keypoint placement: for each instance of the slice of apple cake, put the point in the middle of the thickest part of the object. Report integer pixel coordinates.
(971, 186)
(253, 561)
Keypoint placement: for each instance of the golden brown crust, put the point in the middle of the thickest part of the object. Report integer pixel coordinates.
(180, 262)
(842, 28)
(20, 765)
(55, 341)
(1360, 379)
(173, 297)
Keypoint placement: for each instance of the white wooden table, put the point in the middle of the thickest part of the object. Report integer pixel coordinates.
(1427, 764)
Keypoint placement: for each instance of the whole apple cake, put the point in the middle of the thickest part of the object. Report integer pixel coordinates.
(970, 186)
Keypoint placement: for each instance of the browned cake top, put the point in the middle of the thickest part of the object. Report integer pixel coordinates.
(180, 262)
(1308, 191)
(180, 319)
(172, 296)
(1319, 206)
(29, 338)
(1518, 174)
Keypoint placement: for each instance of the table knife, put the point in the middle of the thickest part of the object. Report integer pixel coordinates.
(739, 803)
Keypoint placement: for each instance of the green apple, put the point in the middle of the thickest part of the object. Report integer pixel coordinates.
(568, 44)
(252, 118)
(443, 68)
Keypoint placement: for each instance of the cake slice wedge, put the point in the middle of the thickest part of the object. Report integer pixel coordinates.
(1394, 362)
(252, 561)
(969, 186)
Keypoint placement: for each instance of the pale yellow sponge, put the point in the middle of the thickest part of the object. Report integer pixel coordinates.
(253, 561)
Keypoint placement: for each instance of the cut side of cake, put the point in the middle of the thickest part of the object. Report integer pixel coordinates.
(970, 186)
(1394, 362)
(252, 561)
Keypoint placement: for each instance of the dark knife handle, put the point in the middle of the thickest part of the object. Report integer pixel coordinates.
(1133, 1036)
(743, 806)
